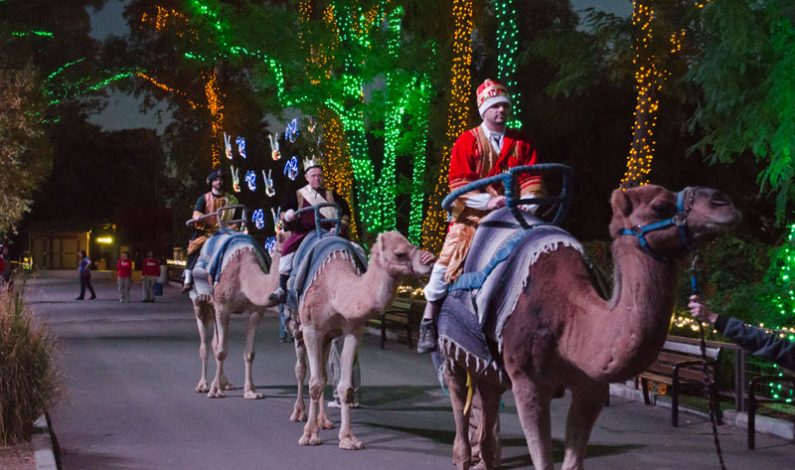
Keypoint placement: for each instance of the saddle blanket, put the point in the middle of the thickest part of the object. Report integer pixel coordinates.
(310, 258)
(495, 275)
(216, 253)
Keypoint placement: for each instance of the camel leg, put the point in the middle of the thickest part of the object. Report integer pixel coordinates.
(345, 391)
(299, 412)
(203, 322)
(221, 350)
(225, 384)
(587, 400)
(314, 349)
(322, 416)
(456, 385)
(249, 389)
(488, 448)
(532, 403)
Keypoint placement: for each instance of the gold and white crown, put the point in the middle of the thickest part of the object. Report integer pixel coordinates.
(311, 163)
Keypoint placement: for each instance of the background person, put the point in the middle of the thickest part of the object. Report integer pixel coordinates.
(84, 271)
(124, 276)
(150, 271)
(755, 341)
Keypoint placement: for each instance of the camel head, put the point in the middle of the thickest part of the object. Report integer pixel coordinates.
(400, 258)
(668, 223)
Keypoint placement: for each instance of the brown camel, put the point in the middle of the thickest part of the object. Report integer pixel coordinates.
(243, 287)
(562, 333)
(339, 303)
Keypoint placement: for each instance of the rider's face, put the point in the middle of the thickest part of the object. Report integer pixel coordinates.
(497, 115)
(218, 184)
(315, 178)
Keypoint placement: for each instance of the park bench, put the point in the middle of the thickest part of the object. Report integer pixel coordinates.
(679, 367)
(754, 402)
(401, 314)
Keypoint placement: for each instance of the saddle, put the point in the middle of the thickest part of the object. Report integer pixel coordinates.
(310, 257)
(495, 274)
(217, 252)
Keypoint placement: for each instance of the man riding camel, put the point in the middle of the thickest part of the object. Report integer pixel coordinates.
(204, 228)
(300, 226)
(482, 152)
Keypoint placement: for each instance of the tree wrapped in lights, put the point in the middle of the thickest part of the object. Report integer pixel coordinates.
(458, 110)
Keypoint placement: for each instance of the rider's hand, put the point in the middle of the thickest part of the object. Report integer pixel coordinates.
(289, 216)
(495, 203)
(426, 257)
(528, 208)
(700, 311)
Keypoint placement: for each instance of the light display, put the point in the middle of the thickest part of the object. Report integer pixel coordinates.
(419, 167)
(267, 178)
(166, 88)
(648, 82)
(507, 49)
(274, 141)
(41, 34)
(235, 178)
(783, 277)
(337, 166)
(212, 93)
(458, 109)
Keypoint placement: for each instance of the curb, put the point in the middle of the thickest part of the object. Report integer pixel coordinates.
(42, 442)
(764, 424)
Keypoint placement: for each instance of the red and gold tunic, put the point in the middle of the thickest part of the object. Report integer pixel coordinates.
(473, 158)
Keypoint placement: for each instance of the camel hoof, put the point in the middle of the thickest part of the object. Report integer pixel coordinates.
(312, 440)
(326, 423)
(351, 443)
(202, 387)
(298, 416)
(215, 393)
(251, 395)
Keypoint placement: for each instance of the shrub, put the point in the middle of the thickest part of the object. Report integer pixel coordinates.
(28, 381)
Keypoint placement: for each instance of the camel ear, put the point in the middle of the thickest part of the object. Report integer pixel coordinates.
(620, 203)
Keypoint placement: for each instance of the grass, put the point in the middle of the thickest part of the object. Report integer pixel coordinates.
(28, 380)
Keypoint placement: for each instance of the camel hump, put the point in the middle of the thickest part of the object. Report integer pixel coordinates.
(498, 264)
(220, 248)
(310, 258)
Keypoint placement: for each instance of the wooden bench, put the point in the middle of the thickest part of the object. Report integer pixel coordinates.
(679, 366)
(400, 314)
(754, 401)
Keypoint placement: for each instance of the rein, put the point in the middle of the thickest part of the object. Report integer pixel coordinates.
(713, 418)
(678, 220)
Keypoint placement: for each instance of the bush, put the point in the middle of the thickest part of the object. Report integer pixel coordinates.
(28, 381)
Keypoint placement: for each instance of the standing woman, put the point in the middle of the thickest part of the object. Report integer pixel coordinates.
(84, 268)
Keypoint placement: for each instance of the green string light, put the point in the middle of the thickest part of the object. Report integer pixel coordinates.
(507, 49)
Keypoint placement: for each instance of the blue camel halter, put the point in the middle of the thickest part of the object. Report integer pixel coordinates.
(679, 220)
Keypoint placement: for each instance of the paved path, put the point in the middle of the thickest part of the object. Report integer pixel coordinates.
(129, 372)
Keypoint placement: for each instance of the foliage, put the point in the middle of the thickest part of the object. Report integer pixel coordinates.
(24, 157)
(28, 380)
(746, 71)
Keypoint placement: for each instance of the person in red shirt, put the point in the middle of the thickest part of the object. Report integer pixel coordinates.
(124, 276)
(481, 152)
(150, 271)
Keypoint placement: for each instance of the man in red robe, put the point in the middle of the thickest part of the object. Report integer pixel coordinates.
(481, 152)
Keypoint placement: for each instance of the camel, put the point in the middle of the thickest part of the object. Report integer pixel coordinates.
(243, 287)
(339, 302)
(562, 333)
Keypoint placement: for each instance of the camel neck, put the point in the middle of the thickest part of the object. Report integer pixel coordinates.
(615, 342)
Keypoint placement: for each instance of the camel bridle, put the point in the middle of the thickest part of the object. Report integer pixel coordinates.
(679, 220)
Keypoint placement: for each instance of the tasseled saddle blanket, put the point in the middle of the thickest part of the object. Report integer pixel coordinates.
(216, 253)
(495, 274)
(310, 258)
